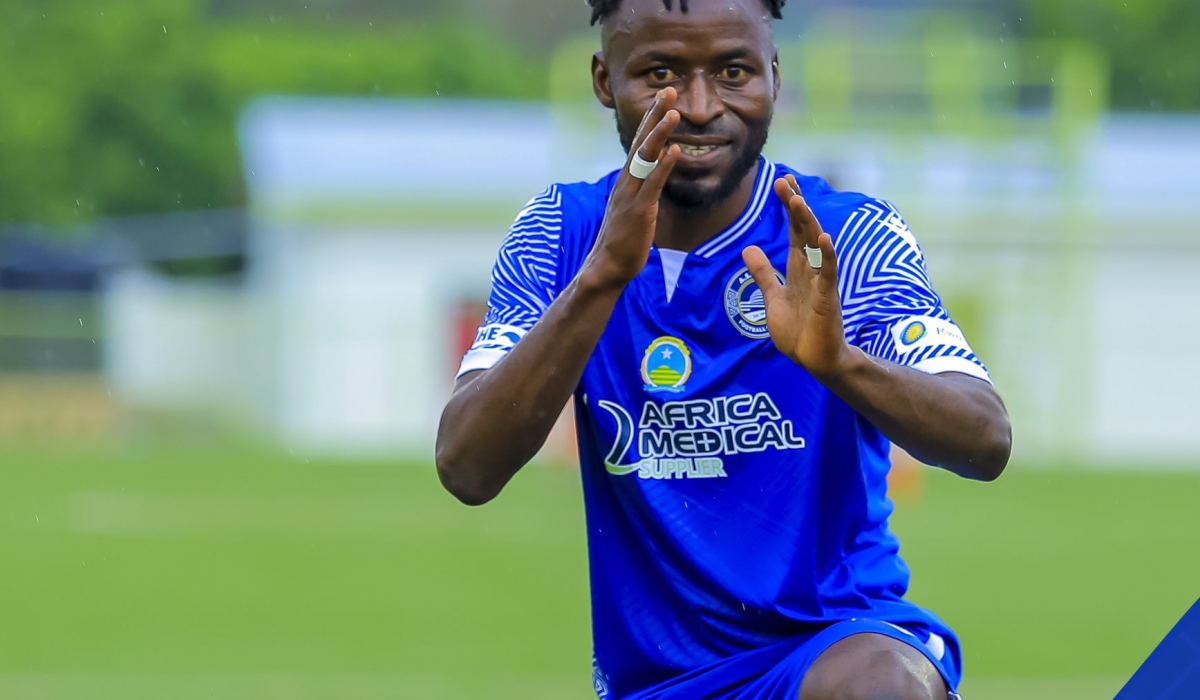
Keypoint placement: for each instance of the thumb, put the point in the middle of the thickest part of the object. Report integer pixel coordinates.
(762, 271)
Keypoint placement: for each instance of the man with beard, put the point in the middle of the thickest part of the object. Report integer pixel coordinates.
(734, 424)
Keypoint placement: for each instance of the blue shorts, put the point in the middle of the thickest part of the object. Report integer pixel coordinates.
(742, 678)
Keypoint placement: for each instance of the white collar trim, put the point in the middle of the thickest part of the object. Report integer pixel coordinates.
(762, 192)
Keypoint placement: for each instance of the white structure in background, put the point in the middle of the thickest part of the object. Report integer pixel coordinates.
(375, 222)
(375, 219)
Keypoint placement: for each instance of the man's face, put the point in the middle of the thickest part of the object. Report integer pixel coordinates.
(720, 57)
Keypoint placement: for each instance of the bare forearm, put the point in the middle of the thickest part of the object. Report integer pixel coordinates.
(952, 421)
(497, 420)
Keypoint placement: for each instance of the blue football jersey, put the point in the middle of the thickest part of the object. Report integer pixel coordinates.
(733, 503)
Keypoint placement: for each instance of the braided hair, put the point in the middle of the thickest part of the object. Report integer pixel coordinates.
(603, 9)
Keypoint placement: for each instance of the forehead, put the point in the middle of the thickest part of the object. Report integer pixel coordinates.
(709, 26)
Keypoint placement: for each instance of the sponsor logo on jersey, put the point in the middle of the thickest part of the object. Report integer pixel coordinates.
(745, 306)
(689, 439)
(667, 365)
(497, 336)
(926, 331)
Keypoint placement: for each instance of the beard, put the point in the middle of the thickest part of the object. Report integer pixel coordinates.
(686, 193)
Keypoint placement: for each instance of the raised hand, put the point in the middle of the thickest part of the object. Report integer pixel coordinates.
(623, 245)
(804, 314)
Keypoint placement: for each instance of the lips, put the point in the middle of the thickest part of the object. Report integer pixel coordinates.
(696, 155)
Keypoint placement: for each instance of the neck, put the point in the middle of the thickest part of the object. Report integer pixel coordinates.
(686, 229)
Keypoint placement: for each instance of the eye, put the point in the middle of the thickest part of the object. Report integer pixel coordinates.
(734, 73)
(662, 75)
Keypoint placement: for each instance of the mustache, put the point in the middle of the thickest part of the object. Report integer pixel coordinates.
(713, 129)
(723, 128)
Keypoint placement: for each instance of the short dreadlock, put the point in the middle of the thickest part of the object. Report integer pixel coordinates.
(603, 9)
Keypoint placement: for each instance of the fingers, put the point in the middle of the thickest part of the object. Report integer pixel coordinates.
(786, 193)
(805, 229)
(637, 135)
(651, 137)
(652, 148)
(764, 274)
(657, 179)
(828, 274)
(656, 128)
(658, 107)
(806, 232)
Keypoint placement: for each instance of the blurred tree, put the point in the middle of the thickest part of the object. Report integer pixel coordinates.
(130, 107)
(106, 110)
(1153, 45)
(427, 59)
(342, 10)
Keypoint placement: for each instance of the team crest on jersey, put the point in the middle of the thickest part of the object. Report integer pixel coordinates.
(745, 305)
(667, 365)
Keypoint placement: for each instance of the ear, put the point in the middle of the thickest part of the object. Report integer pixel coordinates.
(775, 71)
(600, 81)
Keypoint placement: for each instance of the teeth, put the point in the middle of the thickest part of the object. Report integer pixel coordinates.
(695, 150)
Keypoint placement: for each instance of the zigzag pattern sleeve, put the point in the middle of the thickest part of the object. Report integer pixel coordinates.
(889, 307)
(523, 281)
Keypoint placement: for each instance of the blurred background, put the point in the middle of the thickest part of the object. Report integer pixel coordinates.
(244, 244)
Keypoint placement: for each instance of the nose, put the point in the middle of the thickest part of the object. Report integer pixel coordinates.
(699, 103)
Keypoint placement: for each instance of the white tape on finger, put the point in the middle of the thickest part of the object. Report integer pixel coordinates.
(814, 257)
(640, 167)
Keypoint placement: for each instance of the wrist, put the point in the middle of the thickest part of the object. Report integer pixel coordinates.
(850, 363)
(596, 277)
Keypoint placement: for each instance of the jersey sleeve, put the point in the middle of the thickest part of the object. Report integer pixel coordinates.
(889, 307)
(523, 281)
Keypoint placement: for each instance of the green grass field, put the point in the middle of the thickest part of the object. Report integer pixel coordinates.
(164, 573)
